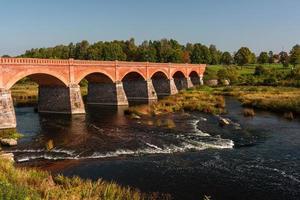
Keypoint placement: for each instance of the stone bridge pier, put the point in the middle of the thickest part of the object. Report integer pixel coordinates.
(60, 99)
(109, 83)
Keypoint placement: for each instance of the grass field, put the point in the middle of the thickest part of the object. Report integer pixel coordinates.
(249, 69)
(32, 184)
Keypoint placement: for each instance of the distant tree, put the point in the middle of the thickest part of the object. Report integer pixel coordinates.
(200, 54)
(263, 58)
(113, 51)
(95, 51)
(243, 56)
(284, 58)
(226, 58)
(169, 51)
(81, 50)
(146, 52)
(130, 49)
(295, 55)
(186, 56)
(271, 57)
(253, 58)
(215, 55)
(6, 56)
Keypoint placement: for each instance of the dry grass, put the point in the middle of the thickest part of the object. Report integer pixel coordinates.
(30, 184)
(277, 99)
(199, 99)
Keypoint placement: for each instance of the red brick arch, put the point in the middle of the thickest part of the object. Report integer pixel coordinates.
(22, 74)
(122, 75)
(159, 70)
(194, 71)
(82, 74)
(182, 71)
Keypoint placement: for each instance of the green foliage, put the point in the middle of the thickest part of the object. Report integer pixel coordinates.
(243, 56)
(284, 58)
(31, 184)
(200, 54)
(10, 134)
(295, 55)
(263, 58)
(226, 58)
(228, 73)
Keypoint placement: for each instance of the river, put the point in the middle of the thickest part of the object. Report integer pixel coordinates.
(186, 155)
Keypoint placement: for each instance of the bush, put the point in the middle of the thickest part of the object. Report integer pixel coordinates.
(228, 73)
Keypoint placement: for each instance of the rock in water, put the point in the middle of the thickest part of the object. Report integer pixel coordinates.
(7, 156)
(8, 142)
(288, 115)
(224, 122)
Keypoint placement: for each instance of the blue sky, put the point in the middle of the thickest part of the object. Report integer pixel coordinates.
(229, 24)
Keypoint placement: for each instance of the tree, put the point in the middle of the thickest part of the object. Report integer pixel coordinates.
(113, 51)
(146, 52)
(95, 51)
(200, 54)
(263, 58)
(215, 55)
(130, 49)
(226, 58)
(295, 55)
(284, 58)
(243, 56)
(81, 50)
(271, 57)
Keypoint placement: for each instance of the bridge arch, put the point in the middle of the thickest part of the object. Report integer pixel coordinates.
(160, 71)
(131, 73)
(179, 72)
(161, 84)
(180, 80)
(42, 77)
(86, 73)
(101, 89)
(135, 87)
(195, 78)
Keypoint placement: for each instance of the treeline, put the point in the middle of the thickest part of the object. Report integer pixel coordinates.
(162, 51)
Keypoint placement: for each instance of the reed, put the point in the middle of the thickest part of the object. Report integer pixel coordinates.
(23, 184)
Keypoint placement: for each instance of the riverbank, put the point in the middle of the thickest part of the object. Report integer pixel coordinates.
(19, 183)
(199, 99)
(285, 100)
(276, 99)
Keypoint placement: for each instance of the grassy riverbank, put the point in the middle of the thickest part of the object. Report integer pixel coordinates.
(210, 100)
(25, 184)
(276, 99)
(199, 99)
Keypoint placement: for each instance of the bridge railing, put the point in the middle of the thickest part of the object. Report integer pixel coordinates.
(7, 61)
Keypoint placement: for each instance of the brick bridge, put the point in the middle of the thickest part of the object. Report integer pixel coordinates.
(109, 83)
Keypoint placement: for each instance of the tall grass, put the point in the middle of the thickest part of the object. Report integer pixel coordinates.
(31, 184)
(196, 99)
(277, 99)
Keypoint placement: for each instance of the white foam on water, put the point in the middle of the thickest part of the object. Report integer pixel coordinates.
(184, 144)
(63, 151)
(196, 131)
(153, 146)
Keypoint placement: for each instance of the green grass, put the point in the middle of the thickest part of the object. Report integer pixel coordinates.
(249, 69)
(32, 184)
(10, 134)
(277, 99)
(199, 99)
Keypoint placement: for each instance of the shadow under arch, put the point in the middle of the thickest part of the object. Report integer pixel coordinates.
(195, 78)
(101, 89)
(53, 94)
(180, 80)
(161, 84)
(135, 87)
